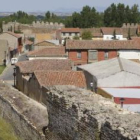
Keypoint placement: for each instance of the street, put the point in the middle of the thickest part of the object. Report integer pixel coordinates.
(7, 75)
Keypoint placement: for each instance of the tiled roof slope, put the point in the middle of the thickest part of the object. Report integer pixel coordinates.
(102, 44)
(55, 51)
(110, 30)
(51, 78)
(72, 30)
(44, 64)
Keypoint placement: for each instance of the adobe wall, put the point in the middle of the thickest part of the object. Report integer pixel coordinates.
(77, 114)
(26, 116)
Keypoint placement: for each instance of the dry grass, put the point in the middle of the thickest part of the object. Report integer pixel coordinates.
(6, 131)
(1, 68)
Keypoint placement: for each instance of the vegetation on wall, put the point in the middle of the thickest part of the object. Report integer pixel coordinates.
(6, 131)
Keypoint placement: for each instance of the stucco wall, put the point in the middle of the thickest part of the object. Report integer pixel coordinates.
(129, 54)
(12, 41)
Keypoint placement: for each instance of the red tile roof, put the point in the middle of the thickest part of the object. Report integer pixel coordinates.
(110, 30)
(72, 30)
(102, 44)
(55, 51)
(51, 78)
(44, 64)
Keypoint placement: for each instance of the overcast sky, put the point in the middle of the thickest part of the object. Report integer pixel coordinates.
(53, 5)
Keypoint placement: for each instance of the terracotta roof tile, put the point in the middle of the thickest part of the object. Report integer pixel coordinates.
(110, 30)
(53, 51)
(51, 78)
(102, 44)
(44, 64)
(65, 30)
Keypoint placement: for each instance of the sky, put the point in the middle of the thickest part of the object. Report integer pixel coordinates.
(58, 5)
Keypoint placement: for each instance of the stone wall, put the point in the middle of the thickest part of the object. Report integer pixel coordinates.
(77, 114)
(35, 27)
(26, 116)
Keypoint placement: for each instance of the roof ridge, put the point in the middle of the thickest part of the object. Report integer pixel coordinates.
(120, 64)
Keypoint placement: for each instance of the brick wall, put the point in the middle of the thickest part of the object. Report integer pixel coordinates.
(111, 54)
(73, 56)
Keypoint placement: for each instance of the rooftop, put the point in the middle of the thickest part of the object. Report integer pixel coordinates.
(116, 72)
(44, 64)
(51, 78)
(110, 30)
(75, 30)
(52, 51)
(102, 44)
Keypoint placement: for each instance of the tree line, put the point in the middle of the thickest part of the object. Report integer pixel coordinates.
(114, 16)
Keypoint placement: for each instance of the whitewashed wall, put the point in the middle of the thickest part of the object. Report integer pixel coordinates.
(129, 54)
(109, 37)
(32, 58)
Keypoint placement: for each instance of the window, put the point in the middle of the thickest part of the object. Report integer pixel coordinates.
(93, 55)
(106, 55)
(69, 34)
(63, 34)
(79, 54)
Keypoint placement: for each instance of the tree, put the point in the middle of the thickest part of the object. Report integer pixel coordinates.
(114, 35)
(86, 35)
(76, 37)
(129, 35)
(116, 15)
(48, 15)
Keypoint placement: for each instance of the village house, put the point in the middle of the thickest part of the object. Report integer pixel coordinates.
(48, 53)
(108, 33)
(52, 78)
(14, 42)
(25, 69)
(113, 78)
(88, 51)
(4, 52)
(64, 33)
(45, 44)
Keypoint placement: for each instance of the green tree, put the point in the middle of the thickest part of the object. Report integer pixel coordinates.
(86, 35)
(116, 15)
(129, 35)
(114, 35)
(48, 15)
(76, 37)
(135, 15)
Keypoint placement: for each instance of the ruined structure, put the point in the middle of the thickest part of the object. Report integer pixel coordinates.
(74, 114)
(77, 114)
(26, 116)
